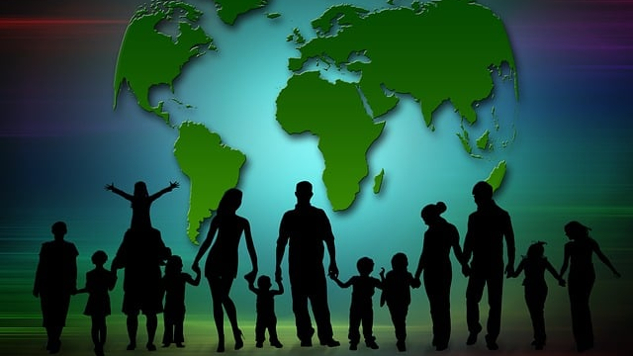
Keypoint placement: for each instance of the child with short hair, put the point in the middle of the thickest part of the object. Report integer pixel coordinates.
(265, 307)
(174, 282)
(534, 266)
(361, 309)
(99, 282)
(396, 292)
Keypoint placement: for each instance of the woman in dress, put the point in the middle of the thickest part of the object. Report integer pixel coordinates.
(221, 265)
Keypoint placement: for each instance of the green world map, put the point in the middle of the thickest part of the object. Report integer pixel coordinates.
(437, 52)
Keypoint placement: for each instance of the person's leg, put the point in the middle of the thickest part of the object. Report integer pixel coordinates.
(579, 292)
(260, 331)
(132, 328)
(399, 319)
(217, 296)
(94, 331)
(321, 311)
(272, 332)
(179, 329)
(353, 333)
(151, 324)
(368, 326)
(474, 292)
(495, 293)
(231, 311)
(300, 309)
(168, 332)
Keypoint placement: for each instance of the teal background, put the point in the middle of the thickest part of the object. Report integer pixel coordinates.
(61, 142)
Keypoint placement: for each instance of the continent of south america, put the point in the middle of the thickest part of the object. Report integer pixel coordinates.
(335, 113)
(212, 168)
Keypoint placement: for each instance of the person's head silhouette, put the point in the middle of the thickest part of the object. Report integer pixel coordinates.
(575, 230)
(99, 258)
(482, 192)
(230, 202)
(174, 265)
(140, 189)
(536, 250)
(59, 230)
(431, 213)
(303, 192)
(365, 266)
(399, 262)
(263, 282)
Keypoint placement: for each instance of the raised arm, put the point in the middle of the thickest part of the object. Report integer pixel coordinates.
(115, 190)
(604, 258)
(206, 244)
(279, 291)
(172, 185)
(251, 285)
(250, 247)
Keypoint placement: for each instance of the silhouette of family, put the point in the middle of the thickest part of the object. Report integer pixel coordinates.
(306, 232)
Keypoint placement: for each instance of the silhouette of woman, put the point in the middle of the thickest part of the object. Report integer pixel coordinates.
(534, 266)
(440, 237)
(141, 202)
(578, 254)
(221, 265)
(99, 282)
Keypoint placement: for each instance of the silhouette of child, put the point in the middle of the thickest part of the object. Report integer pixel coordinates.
(534, 266)
(141, 202)
(361, 309)
(265, 308)
(578, 255)
(396, 292)
(55, 282)
(174, 282)
(99, 282)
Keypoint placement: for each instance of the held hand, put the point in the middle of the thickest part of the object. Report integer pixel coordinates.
(278, 274)
(466, 270)
(416, 283)
(333, 270)
(509, 271)
(562, 283)
(174, 185)
(196, 268)
(250, 276)
(109, 187)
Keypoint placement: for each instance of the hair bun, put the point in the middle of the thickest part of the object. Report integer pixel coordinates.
(441, 207)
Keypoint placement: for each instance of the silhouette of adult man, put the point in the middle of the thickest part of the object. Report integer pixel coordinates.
(55, 282)
(141, 254)
(305, 229)
(488, 226)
